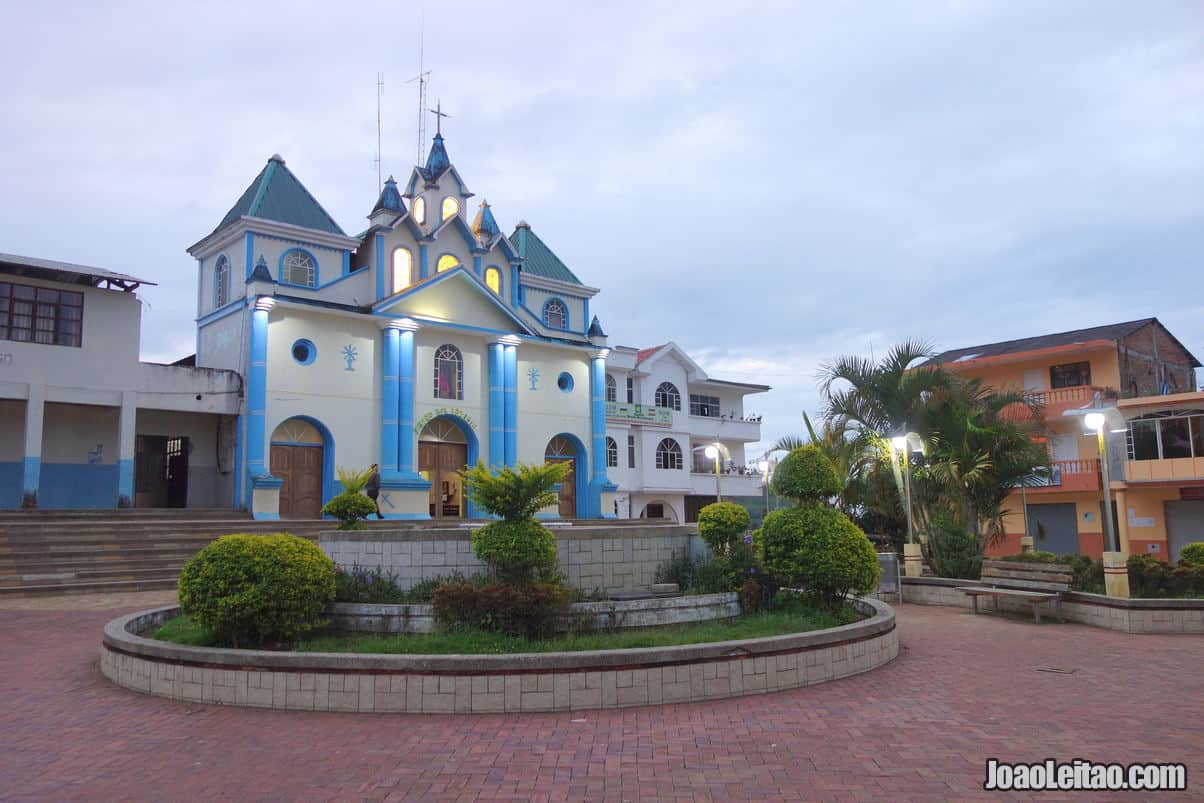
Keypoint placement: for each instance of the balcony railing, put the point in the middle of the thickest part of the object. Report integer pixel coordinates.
(1059, 399)
(1072, 475)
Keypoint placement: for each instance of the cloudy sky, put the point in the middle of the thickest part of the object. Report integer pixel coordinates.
(768, 186)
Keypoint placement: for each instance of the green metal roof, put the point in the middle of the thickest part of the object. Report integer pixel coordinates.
(276, 194)
(538, 259)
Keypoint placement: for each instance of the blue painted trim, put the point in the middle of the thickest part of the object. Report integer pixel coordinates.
(406, 368)
(257, 371)
(587, 503)
(565, 382)
(266, 516)
(267, 481)
(77, 485)
(31, 477)
(329, 488)
(125, 482)
(379, 247)
(599, 483)
(476, 264)
(218, 314)
(250, 241)
(400, 483)
(409, 516)
(585, 317)
(568, 319)
(514, 285)
(510, 374)
(497, 405)
(381, 307)
(423, 268)
(239, 439)
(280, 269)
(346, 262)
(459, 263)
(389, 400)
(547, 516)
(297, 443)
(392, 268)
(313, 351)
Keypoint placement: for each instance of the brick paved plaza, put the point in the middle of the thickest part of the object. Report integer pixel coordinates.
(964, 688)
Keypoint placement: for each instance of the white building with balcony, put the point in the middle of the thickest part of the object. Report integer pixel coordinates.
(662, 412)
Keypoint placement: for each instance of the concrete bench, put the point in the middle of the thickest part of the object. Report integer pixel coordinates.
(1034, 583)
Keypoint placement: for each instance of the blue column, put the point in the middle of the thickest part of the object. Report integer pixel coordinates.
(597, 415)
(346, 262)
(514, 295)
(257, 390)
(405, 403)
(389, 395)
(31, 467)
(422, 262)
(127, 419)
(380, 267)
(510, 372)
(497, 405)
(476, 264)
(250, 239)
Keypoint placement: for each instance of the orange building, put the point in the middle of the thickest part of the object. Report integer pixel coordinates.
(1156, 459)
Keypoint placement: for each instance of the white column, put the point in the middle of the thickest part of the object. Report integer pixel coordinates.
(32, 468)
(126, 428)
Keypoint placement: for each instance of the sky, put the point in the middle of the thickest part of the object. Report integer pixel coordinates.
(770, 186)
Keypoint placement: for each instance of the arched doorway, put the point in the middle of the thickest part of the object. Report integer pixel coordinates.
(567, 449)
(301, 456)
(445, 446)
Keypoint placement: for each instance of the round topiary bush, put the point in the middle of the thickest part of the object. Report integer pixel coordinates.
(819, 550)
(721, 525)
(350, 508)
(257, 589)
(519, 551)
(1193, 553)
(806, 475)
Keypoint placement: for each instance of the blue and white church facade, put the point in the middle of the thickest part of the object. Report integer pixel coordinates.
(429, 341)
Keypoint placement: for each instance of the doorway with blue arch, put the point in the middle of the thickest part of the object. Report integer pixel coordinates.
(447, 445)
(302, 457)
(574, 498)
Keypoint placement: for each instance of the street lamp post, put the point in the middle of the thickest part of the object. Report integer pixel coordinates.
(913, 555)
(899, 443)
(713, 453)
(1116, 572)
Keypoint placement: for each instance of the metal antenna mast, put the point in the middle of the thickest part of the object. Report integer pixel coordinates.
(423, 77)
(380, 83)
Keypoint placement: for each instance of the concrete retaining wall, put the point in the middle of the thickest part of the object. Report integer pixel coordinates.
(376, 618)
(491, 683)
(591, 557)
(1160, 616)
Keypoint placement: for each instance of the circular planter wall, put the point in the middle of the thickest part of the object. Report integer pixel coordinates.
(491, 683)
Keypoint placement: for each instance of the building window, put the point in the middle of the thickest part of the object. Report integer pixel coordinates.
(403, 269)
(654, 510)
(631, 451)
(668, 455)
(447, 262)
(305, 352)
(555, 314)
(299, 268)
(705, 406)
(493, 280)
(449, 373)
(450, 207)
(1167, 436)
(1070, 375)
(612, 393)
(418, 210)
(565, 382)
(40, 315)
(667, 396)
(630, 390)
(221, 282)
(612, 453)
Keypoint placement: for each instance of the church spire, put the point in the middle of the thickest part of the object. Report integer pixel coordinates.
(390, 198)
(437, 161)
(483, 225)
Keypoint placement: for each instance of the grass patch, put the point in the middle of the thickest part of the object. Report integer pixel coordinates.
(793, 618)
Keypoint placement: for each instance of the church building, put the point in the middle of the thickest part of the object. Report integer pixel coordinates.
(427, 342)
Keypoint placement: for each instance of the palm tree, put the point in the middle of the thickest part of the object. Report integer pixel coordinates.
(881, 399)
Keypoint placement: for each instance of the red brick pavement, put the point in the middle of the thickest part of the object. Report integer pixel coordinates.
(963, 689)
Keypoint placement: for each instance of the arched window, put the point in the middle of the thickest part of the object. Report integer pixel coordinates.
(555, 314)
(493, 280)
(449, 373)
(667, 396)
(403, 269)
(612, 390)
(612, 453)
(221, 282)
(668, 455)
(450, 207)
(418, 210)
(447, 262)
(298, 267)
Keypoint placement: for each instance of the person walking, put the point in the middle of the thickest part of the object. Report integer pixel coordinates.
(372, 489)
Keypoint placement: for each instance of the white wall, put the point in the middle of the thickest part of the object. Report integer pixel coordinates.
(536, 297)
(547, 411)
(474, 407)
(223, 343)
(238, 277)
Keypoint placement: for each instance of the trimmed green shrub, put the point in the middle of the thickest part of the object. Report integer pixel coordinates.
(807, 475)
(1193, 553)
(377, 586)
(721, 525)
(1153, 578)
(1087, 574)
(953, 551)
(518, 551)
(531, 611)
(513, 494)
(819, 550)
(1036, 556)
(257, 589)
(350, 508)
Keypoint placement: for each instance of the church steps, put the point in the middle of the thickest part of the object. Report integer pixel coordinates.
(93, 587)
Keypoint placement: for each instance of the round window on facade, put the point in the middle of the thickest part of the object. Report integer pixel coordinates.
(304, 352)
(565, 381)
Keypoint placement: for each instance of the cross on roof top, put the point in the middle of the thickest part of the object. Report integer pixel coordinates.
(439, 115)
